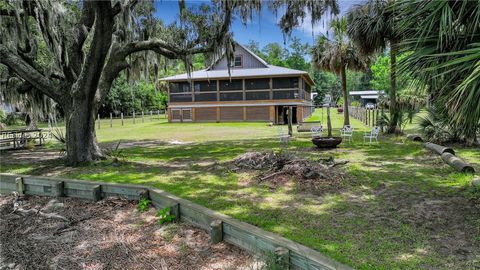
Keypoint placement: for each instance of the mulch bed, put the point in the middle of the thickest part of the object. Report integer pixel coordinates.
(67, 233)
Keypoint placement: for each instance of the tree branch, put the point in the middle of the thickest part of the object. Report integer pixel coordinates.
(92, 68)
(156, 45)
(7, 12)
(75, 52)
(30, 74)
(117, 8)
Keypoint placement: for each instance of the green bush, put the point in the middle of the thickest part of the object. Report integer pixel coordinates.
(164, 215)
(143, 205)
(355, 103)
(139, 96)
(340, 102)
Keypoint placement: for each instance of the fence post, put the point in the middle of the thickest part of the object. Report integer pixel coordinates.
(282, 258)
(381, 126)
(151, 116)
(370, 121)
(58, 189)
(121, 116)
(216, 231)
(98, 119)
(373, 117)
(134, 117)
(111, 124)
(143, 120)
(20, 186)
(158, 113)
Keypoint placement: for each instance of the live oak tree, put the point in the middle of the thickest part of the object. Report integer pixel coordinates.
(72, 51)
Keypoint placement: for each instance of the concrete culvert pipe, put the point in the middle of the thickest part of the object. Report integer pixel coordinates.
(439, 149)
(415, 137)
(457, 163)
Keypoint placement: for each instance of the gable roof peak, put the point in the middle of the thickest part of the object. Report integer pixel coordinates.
(253, 54)
(260, 60)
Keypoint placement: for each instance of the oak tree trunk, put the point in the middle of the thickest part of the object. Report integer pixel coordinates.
(81, 141)
(394, 113)
(31, 120)
(346, 117)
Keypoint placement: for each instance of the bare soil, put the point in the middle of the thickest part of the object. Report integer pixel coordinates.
(109, 234)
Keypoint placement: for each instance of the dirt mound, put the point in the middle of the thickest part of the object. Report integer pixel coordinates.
(41, 233)
(310, 175)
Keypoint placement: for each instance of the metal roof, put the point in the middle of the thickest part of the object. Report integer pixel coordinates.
(370, 97)
(270, 70)
(267, 71)
(367, 92)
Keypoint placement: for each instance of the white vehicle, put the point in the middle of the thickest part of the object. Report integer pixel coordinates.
(370, 106)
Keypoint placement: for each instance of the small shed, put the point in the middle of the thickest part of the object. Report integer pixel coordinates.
(366, 96)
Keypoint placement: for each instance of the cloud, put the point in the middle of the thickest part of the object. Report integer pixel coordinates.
(318, 28)
(322, 27)
(306, 28)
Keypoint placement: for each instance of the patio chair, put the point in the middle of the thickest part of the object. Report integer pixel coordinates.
(347, 132)
(283, 136)
(373, 135)
(317, 131)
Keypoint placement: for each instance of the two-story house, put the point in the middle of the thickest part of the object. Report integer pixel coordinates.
(254, 91)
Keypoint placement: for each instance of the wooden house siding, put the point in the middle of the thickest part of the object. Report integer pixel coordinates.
(231, 114)
(206, 114)
(249, 61)
(260, 113)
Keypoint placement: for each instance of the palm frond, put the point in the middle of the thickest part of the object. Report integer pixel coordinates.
(444, 42)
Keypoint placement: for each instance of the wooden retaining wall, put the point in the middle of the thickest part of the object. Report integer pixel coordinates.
(219, 225)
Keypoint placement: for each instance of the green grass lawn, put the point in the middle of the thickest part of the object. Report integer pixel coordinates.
(399, 206)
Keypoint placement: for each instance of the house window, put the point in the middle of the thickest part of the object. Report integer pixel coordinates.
(255, 84)
(260, 95)
(285, 83)
(180, 87)
(181, 98)
(231, 85)
(205, 86)
(231, 96)
(205, 96)
(285, 95)
(238, 61)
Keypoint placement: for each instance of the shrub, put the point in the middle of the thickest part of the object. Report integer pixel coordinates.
(435, 127)
(164, 215)
(143, 205)
(355, 103)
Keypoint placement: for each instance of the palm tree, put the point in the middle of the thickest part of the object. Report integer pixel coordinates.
(371, 26)
(337, 55)
(444, 44)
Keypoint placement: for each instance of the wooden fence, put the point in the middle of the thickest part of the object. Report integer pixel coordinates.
(135, 117)
(288, 254)
(367, 116)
